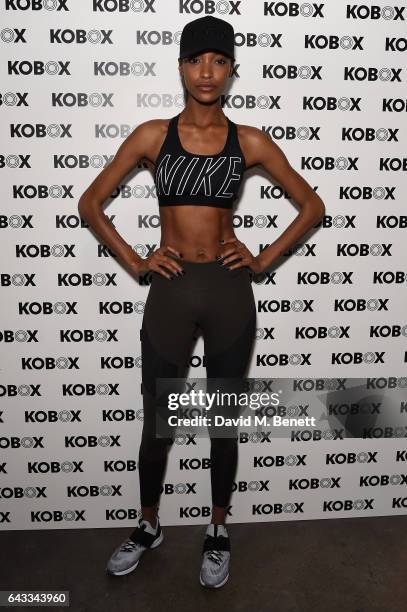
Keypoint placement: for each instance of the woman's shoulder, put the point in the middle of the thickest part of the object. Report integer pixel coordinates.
(250, 139)
(154, 126)
(152, 132)
(249, 132)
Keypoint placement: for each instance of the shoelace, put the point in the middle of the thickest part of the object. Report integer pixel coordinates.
(128, 546)
(216, 556)
(215, 548)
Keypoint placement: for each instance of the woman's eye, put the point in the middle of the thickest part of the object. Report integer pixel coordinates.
(195, 59)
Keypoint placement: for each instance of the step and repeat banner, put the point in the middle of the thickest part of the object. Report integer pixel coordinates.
(327, 81)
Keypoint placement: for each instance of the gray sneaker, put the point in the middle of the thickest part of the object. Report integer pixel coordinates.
(127, 556)
(216, 557)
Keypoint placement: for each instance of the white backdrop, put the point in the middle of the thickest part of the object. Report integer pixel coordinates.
(327, 80)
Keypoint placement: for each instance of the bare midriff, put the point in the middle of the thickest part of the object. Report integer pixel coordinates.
(196, 231)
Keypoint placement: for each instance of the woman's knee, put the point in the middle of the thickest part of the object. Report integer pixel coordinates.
(224, 446)
(152, 447)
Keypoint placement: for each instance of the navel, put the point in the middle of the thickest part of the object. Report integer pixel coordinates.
(201, 253)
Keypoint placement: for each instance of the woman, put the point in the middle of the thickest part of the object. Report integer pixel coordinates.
(201, 274)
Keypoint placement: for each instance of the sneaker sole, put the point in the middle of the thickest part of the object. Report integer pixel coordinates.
(133, 567)
(213, 586)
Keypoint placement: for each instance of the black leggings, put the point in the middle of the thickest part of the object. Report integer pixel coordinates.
(220, 302)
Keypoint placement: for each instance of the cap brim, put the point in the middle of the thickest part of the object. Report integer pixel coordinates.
(205, 50)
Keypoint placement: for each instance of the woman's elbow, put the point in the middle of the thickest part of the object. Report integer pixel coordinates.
(86, 207)
(322, 211)
(82, 207)
(319, 209)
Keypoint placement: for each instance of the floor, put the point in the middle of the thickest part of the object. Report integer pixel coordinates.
(335, 565)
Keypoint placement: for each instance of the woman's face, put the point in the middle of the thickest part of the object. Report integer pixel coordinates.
(211, 69)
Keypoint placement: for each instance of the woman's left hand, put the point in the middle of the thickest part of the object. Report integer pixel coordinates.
(235, 249)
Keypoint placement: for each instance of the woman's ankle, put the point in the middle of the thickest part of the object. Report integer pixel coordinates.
(150, 514)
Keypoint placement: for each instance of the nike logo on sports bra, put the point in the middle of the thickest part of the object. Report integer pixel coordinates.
(182, 177)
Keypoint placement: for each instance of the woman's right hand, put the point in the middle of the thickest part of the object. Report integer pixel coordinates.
(159, 262)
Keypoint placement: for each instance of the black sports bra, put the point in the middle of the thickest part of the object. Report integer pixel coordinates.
(182, 178)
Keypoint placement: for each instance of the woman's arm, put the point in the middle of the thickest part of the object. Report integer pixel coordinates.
(136, 146)
(261, 149)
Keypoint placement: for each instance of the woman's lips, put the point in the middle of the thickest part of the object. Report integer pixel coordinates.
(206, 87)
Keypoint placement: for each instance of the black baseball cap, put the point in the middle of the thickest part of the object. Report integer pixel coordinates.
(206, 34)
